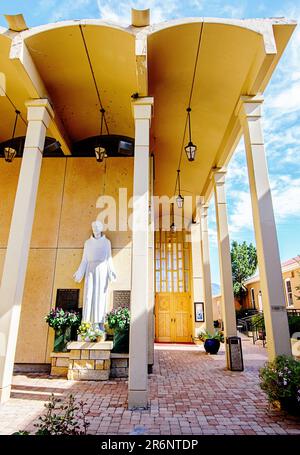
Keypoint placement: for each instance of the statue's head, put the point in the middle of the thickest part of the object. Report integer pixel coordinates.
(97, 228)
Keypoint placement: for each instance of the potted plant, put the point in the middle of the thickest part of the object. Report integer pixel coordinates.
(118, 320)
(280, 380)
(62, 322)
(86, 332)
(212, 341)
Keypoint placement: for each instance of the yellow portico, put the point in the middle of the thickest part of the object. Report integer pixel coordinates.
(63, 78)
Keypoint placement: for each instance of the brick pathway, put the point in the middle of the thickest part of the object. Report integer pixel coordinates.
(190, 393)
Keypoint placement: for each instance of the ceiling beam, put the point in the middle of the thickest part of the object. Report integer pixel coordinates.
(141, 63)
(32, 81)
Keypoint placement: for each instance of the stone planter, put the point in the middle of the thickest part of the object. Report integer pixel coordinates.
(212, 346)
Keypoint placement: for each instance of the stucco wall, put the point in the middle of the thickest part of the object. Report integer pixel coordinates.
(293, 275)
(68, 192)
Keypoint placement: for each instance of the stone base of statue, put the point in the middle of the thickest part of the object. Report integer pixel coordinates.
(59, 364)
(89, 361)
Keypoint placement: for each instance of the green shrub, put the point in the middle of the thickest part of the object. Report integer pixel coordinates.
(258, 321)
(294, 323)
(280, 380)
(61, 418)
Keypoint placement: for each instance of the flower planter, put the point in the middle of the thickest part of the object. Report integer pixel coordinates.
(121, 341)
(62, 338)
(212, 346)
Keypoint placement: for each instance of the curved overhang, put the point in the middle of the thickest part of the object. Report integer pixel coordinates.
(236, 58)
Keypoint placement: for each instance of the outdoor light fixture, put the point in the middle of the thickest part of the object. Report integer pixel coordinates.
(10, 152)
(179, 198)
(191, 148)
(100, 152)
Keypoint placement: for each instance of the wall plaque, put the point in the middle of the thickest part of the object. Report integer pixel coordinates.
(67, 299)
(121, 298)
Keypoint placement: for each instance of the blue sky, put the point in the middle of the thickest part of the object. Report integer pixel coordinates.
(281, 107)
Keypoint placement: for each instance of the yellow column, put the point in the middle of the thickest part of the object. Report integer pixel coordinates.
(277, 330)
(15, 265)
(228, 309)
(206, 269)
(138, 347)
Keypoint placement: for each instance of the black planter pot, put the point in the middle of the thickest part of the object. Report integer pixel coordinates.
(121, 341)
(212, 346)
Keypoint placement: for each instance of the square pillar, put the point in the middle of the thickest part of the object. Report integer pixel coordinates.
(198, 276)
(277, 330)
(138, 343)
(151, 302)
(207, 288)
(39, 115)
(228, 308)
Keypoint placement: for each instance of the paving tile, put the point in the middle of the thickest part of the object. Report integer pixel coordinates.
(189, 393)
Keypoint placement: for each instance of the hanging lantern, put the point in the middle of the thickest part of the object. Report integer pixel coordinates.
(10, 152)
(191, 148)
(179, 198)
(100, 152)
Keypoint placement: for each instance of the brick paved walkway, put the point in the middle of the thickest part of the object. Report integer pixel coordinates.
(190, 393)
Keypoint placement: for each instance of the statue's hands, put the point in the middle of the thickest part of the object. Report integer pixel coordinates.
(77, 277)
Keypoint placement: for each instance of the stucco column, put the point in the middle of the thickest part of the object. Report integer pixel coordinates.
(151, 302)
(15, 265)
(228, 308)
(207, 289)
(277, 330)
(138, 347)
(198, 277)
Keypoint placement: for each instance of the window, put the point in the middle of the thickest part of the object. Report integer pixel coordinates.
(172, 262)
(289, 293)
(252, 295)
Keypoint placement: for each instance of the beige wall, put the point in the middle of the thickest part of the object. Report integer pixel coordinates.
(68, 192)
(293, 275)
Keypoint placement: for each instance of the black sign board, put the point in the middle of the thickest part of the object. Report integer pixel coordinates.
(67, 299)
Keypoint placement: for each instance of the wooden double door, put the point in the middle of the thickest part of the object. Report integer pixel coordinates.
(173, 317)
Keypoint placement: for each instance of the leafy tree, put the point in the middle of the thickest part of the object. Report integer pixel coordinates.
(244, 264)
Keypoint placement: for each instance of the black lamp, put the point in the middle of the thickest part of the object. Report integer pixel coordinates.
(10, 152)
(100, 152)
(191, 148)
(179, 198)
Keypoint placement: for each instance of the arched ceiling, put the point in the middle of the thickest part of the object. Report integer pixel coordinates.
(235, 58)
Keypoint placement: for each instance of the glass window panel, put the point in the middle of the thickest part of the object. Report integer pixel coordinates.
(157, 264)
(169, 261)
(163, 250)
(163, 274)
(180, 275)
(163, 286)
(180, 287)
(169, 286)
(158, 286)
(175, 286)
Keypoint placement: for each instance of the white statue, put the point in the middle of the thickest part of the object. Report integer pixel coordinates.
(97, 268)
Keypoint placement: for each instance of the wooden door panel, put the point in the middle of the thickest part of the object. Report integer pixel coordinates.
(163, 316)
(182, 317)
